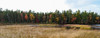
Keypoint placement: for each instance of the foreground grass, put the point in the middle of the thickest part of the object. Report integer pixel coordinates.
(26, 31)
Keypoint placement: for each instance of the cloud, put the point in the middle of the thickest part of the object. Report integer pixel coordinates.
(36, 5)
(50, 5)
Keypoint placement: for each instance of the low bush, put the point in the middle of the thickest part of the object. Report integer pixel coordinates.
(83, 27)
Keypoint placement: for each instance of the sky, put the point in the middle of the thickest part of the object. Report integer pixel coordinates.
(51, 5)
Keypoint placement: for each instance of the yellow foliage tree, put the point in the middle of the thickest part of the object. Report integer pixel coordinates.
(32, 16)
(97, 18)
(57, 19)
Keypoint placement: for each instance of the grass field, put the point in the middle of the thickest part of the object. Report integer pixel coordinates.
(27, 31)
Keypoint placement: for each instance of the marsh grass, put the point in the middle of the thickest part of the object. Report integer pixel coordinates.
(26, 31)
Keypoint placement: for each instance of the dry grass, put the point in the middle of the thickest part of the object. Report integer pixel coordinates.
(26, 31)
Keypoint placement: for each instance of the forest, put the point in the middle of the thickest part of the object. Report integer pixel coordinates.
(57, 17)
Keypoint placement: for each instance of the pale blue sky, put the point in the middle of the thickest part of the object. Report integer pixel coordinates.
(89, 5)
(51, 5)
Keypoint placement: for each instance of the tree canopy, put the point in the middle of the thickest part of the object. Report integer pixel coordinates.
(57, 17)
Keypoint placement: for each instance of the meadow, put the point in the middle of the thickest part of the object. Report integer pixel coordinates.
(28, 31)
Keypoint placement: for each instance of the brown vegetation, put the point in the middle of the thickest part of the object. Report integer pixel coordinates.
(26, 31)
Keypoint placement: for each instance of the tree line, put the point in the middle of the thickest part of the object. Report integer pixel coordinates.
(57, 17)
